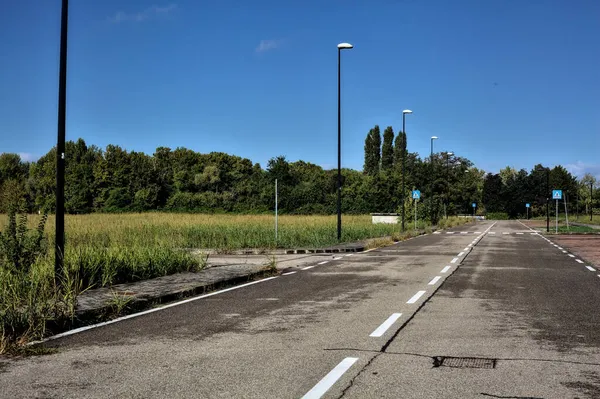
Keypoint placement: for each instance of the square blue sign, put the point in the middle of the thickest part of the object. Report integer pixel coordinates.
(527, 205)
(556, 194)
(474, 205)
(416, 194)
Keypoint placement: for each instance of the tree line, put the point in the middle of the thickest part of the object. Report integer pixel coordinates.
(181, 180)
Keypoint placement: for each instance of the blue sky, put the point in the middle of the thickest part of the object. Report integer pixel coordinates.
(502, 82)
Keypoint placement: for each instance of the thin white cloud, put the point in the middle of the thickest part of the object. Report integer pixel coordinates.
(27, 157)
(581, 168)
(267, 45)
(148, 13)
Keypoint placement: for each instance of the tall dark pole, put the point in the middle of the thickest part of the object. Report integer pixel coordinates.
(339, 176)
(547, 200)
(431, 185)
(591, 199)
(403, 163)
(447, 182)
(59, 248)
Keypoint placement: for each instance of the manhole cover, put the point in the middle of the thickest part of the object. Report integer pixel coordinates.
(464, 362)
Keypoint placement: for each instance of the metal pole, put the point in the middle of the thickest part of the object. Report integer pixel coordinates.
(566, 211)
(59, 248)
(591, 198)
(276, 214)
(557, 216)
(431, 185)
(447, 184)
(547, 200)
(415, 214)
(403, 162)
(339, 176)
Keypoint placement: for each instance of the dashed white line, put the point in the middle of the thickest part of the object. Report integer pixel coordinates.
(449, 232)
(434, 280)
(492, 232)
(590, 268)
(520, 233)
(466, 249)
(436, 232)
(379, 331)
(445, 269)
(322, 263)
(454, 260)
(331, 378)
(416, 297)
(571, 255)
(505, 232)
(460, 254)
(338, 258)
(559, 248)
(307, 267)
(350, 255)
(578, 261)
(564, 252)
(288, 273)
(478, 232)
(464, 232)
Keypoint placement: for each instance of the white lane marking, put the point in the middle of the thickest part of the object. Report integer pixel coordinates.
(338, 258)
(533, 233)
(434, 280)
(445, 269)
(559, 248)
(578, 260)
(590, 268)
(322, 263)
(460, 254)
(379, 331)
(454, 260)
(464, 232)
(571, 255)
(564, 252)
(556, 245)
(416, 297)
(492, 232)
(520, 233)
(369, 250)
(350, 255)
(331, 378)
(131, 316)
(505, 232)
(466, 249)
(307, 267)
(449, 232)
(288, 273)
(436, 232)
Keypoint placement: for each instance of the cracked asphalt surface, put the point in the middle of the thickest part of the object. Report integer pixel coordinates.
(510, 316)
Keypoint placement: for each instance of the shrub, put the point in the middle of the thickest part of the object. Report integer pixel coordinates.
(497, 216)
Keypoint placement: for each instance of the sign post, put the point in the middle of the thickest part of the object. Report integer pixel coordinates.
(527, 206)
(556, 195)
(474, 205)
(416, 194)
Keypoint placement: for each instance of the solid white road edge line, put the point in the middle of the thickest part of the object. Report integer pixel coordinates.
(445, 269)
(379, 331)
(131, 316)
(288, 273)
(454, 260)
(416, 297)
(434, 280)
(590, 268)
(331, 378)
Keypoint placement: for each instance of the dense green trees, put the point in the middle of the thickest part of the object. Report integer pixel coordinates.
(116, 180)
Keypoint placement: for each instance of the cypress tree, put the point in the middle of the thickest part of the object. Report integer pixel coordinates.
(387, 150)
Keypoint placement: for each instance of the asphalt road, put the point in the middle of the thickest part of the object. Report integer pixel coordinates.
(490, 310)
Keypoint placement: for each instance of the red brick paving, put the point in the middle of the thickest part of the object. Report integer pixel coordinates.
(585, 246)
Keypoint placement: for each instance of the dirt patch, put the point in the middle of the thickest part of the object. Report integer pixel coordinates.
(585, 246)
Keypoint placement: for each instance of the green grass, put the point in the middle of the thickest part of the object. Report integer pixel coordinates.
(107, 249)
(562, 228)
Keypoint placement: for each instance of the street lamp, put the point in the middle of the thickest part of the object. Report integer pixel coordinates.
(448, 155)
(341, 46)
(406, 111)
(591, 200)
(431, 184)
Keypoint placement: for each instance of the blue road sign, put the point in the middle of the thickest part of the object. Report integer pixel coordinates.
(527, 205)
(557, 194)
(416, 194)
(474, 204)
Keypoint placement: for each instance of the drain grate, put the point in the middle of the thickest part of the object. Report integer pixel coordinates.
(464, 362)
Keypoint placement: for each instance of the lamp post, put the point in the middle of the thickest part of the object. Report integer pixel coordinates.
(431, 184)
(547, 200)
(59, 248)
(406, 111)
(341, 46)
(448, 155)
(591, 200)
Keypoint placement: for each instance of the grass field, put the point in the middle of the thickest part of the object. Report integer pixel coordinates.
(107, 249)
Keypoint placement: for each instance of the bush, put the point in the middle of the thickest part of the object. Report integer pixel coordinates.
(497, 216)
